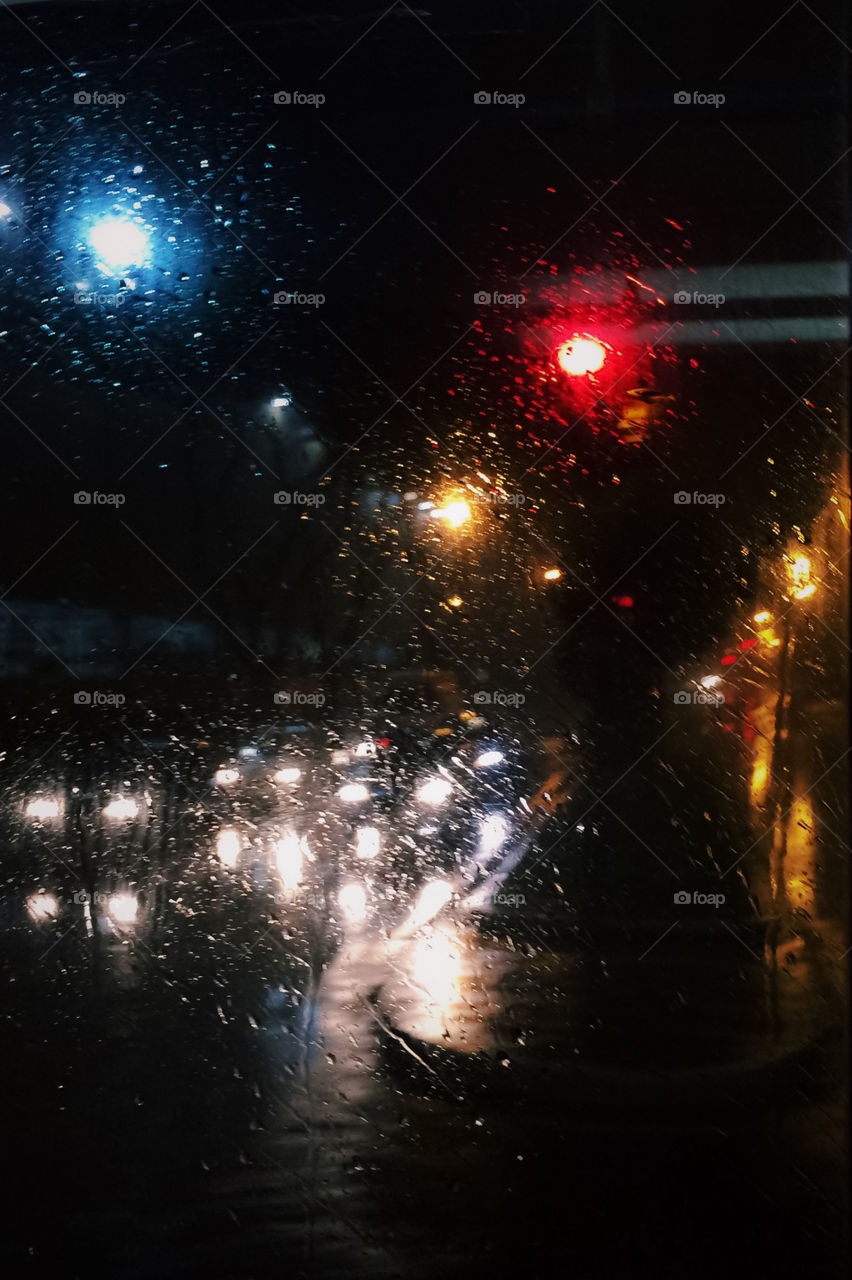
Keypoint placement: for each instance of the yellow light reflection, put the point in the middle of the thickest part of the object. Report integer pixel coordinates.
(455, 513)
(552, 575)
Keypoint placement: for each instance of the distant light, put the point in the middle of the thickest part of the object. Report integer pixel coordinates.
(281, 402)
(729, 660)
(353, 901)
(249, 753)
(5, 211)
(455, 514)
(492, 832)
(623, 602)
(367, 842)
(365, 749)
(288, 775)
(425, 506)
(42, 906)
(435, 791)
(42, 809)
(353, 793)
(710, 682)
(289, 859)
(552, 575)
(763, 616)
(228, 846)
(434, 896)
(119, 244)
(224, 777)
(455, 602)
(123, 908)
(121, 809)
(580, 356)
(488, 758)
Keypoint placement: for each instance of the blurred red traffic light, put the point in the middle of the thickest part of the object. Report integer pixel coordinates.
(624, 602)
(581, 355)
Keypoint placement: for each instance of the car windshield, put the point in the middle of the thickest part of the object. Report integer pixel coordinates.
(424, 639)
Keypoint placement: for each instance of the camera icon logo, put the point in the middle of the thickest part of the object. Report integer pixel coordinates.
(682, 98)
(682, 697)
(282, 698)
(482, 298)
(282, 498)
(683, 297)
(81, 896)
(482, 698)
(282, 98)
(82, 698)
(482, 98)
(82, 499)
(682, 498)
(82, 98)
(682, 898)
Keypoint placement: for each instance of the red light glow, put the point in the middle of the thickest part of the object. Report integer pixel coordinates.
(580, 356)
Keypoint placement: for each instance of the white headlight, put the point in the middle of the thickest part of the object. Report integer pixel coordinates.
(288, 775)
(435, 791)
(492, 832)
(123, 908)
(353, 901)
(488, 758)
(228, 846)
(367, 842)
(42, 906)
(42, 809)
(224, 777)
(433, 896)
(353, 793)
(121, 809)
(288, 853)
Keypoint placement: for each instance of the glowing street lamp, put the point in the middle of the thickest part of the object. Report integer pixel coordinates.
(455, 513)
(119, 244)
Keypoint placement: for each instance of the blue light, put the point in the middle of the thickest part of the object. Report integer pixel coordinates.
(119, 244)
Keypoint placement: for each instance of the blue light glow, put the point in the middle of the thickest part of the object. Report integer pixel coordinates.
(119, 244)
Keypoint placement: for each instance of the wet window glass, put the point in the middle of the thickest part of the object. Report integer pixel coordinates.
(424, 639)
